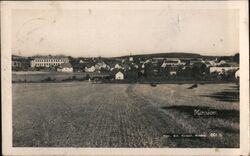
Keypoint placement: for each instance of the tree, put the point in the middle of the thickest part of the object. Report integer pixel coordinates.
(236, 58)
(87, 77)
(199, 70)
(149, 70)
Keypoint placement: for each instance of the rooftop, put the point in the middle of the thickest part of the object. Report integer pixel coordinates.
(66, 65)
(50, 57)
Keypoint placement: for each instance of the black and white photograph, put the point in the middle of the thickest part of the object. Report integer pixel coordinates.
(131, 75)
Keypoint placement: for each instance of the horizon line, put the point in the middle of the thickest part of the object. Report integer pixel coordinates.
(131, 54)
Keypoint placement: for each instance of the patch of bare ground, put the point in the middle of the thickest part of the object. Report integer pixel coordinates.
(221, 126)
(108, 115)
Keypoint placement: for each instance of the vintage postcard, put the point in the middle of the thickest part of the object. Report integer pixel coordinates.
(125, 77)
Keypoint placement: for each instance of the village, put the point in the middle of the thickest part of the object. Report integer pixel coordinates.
(128, 101)
(136, 68)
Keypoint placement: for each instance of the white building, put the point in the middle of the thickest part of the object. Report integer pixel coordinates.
(213, 63)
(237, 74)
(48, 61)
(136, 66)
(101, 65)
(65, 67)
(222, 69)
(119, 76)
(117, 66)
(172, 62)
(172, 73)
(90, 69)
(131, 59)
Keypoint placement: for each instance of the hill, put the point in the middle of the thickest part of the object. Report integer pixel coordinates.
(170, 55)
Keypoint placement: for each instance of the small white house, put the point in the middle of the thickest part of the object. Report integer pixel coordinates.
(136, 66)
(90, 69)
(117, 66)
(212, 63)
(119, 76)
(237, 74)
(131, 59)
(67, 68)
(222, 69)
(222, 62)
(172, 73)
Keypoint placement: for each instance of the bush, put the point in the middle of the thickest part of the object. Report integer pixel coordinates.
(87, 77)
(48, 79)
(67, 79)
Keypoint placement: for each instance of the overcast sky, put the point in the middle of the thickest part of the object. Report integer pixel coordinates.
(116, 32)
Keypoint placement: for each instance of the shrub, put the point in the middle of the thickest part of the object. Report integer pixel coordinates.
(87, 77)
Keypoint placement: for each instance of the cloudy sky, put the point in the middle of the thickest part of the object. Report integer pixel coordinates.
(115, 32)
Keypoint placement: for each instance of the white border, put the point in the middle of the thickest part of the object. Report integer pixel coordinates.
(6, 8)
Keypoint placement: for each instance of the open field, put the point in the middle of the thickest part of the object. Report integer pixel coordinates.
(81, 114)
(37, 76)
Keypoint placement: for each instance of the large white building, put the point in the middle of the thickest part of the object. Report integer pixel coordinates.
(48, 61)
(172, 62)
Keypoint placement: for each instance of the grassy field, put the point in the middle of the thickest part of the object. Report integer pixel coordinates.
(81, 114)
(36, 76)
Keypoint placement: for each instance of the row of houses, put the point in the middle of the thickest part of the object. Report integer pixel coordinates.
(120, 75)
(214, 66)
(121, 65)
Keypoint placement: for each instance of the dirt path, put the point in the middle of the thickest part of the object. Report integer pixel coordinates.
(166, 122)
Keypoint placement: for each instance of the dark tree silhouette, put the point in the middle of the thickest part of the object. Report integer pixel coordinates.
(198, 70)
(236, 58)
(149, 71)
(87, 77)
